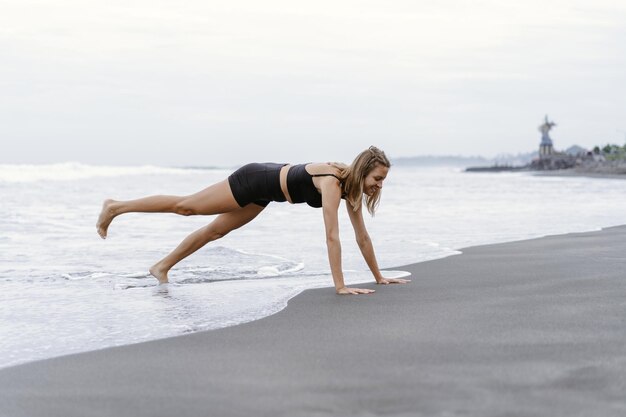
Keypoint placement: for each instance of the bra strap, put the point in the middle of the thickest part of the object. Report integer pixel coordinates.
(326, 175)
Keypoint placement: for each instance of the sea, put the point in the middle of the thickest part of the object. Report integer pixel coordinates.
(64, 290)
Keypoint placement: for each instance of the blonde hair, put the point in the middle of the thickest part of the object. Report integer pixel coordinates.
(353, 176)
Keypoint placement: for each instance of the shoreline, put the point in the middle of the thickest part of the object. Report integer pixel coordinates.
(568, 172)
(530, 327)
(574, 173)
(403, 268)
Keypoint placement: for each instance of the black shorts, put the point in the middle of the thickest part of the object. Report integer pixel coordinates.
(257, 183)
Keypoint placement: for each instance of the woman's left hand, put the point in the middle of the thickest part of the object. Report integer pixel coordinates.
(386, 281)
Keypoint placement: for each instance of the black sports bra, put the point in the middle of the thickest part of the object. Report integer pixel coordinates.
(301, 188)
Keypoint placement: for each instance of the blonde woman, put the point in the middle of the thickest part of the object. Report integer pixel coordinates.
(240, 198)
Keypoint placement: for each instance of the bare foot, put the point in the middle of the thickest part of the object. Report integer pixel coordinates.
(105, 218)
(159, 273)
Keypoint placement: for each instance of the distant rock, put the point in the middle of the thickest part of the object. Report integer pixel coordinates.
(553, 162)
(497, 168)
(601, 167)
(515, 159)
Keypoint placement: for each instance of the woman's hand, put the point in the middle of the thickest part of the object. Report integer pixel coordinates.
(386, 281)
(355, 291)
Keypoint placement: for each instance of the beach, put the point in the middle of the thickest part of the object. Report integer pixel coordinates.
(65, 290)
(155, 261)
(527, 328)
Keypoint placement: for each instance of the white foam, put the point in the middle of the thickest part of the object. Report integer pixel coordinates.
(268, 271)
(68, 171)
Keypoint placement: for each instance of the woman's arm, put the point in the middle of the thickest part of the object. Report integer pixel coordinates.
(366, 247)
(331, 197)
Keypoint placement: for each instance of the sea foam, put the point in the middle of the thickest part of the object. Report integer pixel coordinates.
(69, 171)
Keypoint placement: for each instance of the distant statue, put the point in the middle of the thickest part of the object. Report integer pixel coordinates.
(545, 147)
(546, 127)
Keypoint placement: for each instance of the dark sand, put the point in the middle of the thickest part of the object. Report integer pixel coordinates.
(531, 328)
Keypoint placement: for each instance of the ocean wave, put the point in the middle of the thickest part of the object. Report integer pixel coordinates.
(220, 263)
(69, 171)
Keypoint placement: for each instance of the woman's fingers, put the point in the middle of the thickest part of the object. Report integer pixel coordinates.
(355, 291)
(395, 281)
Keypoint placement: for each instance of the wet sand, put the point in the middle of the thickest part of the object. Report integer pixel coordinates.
(530, 328)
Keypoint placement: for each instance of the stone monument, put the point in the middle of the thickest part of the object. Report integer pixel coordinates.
(545, 148)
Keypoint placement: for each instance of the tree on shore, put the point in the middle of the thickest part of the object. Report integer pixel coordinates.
(611, 151)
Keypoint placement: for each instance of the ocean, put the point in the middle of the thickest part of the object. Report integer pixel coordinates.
(65, 290)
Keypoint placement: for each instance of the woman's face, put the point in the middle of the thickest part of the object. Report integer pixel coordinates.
(374, 180)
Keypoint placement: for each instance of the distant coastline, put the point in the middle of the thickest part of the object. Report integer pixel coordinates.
(517, 163)
(463, 161)
(574, 167)
(577, 173)
(436, 160)
(605, 169)
(497, 168)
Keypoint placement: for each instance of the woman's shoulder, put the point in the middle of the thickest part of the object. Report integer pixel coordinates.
(316, 168)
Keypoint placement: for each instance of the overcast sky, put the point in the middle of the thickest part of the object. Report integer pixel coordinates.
(203, 82)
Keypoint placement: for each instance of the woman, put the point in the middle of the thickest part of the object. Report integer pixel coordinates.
(250, 189)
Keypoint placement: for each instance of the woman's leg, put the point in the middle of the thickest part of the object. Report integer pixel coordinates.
(215, 199)
(221, 226)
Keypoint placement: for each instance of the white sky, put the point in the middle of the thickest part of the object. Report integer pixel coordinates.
(202, 82)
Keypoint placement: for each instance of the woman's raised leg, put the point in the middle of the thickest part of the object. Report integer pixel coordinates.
(220, 227)
(215, 199)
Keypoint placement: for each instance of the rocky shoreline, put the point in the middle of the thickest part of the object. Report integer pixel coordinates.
(602, 167)
(593, 168)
